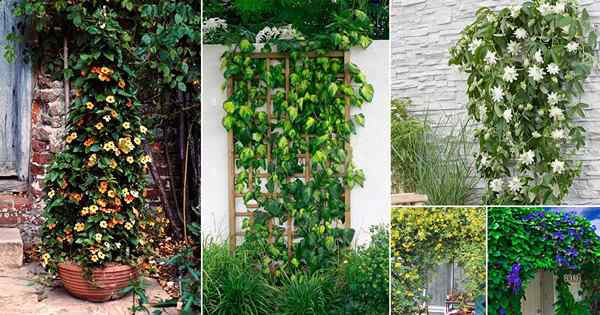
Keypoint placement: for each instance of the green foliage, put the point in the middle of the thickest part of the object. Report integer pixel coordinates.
(246, 19)
(306, 294)
(526, 67)
(423, 238)
(309, 118)
(431, 160)
(366, 276)
(536, 239)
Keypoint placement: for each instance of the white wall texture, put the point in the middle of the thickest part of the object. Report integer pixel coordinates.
(421, 33)
(371, 146)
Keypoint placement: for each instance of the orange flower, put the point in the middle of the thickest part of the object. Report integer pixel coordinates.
(106, 70)
(103, 77)
(113, 164)
(75, 197)
(89, 142)
(79, 227)
(89, 105)
(117, 202)
(113, 114)
(101, 203)
(95, 70)
(103, 186)
(122, 84)
(129, 198)
(51, 226)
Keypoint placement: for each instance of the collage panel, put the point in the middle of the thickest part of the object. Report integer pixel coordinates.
(295, 157)
(438, 261)
(544, 260)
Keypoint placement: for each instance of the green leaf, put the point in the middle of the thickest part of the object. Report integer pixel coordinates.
(366, 91)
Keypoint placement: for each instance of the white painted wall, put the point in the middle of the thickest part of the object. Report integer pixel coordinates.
(421, 32)
(371, 146)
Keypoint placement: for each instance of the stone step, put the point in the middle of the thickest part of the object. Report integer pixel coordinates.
(11, 248)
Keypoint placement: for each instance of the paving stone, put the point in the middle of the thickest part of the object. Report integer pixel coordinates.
(11, 248)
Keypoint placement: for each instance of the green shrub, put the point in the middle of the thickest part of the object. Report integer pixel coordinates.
(430, 161)
(231, 285)
(307, 294)
(366, 276)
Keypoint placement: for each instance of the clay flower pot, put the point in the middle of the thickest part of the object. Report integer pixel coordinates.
(108, 281)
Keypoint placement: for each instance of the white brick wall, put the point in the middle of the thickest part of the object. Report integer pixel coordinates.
(421, 33)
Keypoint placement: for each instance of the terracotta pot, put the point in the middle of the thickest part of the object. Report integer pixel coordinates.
(108, 281)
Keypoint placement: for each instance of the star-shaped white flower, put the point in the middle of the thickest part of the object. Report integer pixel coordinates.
(498, 94)
(557, 166)
(514, 184)
(537, 57)
(474, 45)
(490, 58)
(536, 73)
(520, 33)
(553, 69)
(513, 47)
(553, 98)
(515, 11)
(527, 158)
(510, 74)
(497, 185)
(558, 134)
(559, 8)
(556, 113)
(572, 46)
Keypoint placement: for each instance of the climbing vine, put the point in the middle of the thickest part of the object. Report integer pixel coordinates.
(308, 117)
(526, 67)
(523, 241)
(423, 238)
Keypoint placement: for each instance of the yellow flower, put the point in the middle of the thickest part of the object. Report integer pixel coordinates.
(93, 209)
(130, 159)
(89, 105)
(113, 164)
(79, 227)
(108, 146)
(128, 226)
(137, 140)
(126, 125)
(106, 70)
(103, 224)
(51, 193)
(126, 145)
(110, 99)
(145, 159)
(101, 255)
(45, 259)
(121, 84)
(94, 258)
(114, 114)
(71, 137)
(111, 193)
(99, 126)
(103, 186)
(143, 129)
(98, 237)
(92, 160)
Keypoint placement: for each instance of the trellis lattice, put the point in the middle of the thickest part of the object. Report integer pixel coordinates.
(247, 210)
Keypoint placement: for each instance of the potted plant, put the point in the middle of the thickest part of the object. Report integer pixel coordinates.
(94, 187)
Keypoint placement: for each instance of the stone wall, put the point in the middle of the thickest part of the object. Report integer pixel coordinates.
(421, 33)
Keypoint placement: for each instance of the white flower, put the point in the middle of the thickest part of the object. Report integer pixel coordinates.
(538, 57)
(474, 45)
(572, 46)
(559, 8)
(490, 58)
(513, 47)
(545, 9)
(520, 33)
(497, 185)
(267, 34)
(214, 24)
(553, 69)
(558, 134)
(498, 94)
(484, 160)
(288, 32)
(553, 98)
(515, 10)
(514, 184)
(556, 113)
(527, 158)
(536, 134)
(507, 115)
(510, 74)
(536, 73)
(557, 166)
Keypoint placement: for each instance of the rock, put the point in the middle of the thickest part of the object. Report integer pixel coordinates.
(11, 248)
(56, 108)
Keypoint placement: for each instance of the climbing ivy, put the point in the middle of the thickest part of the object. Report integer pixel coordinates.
(523, 241)
(309, 119)
(526, 67)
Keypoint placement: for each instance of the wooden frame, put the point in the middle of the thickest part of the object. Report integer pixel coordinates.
(233, 213)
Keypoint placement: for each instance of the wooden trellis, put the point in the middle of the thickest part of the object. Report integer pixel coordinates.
(234, 213)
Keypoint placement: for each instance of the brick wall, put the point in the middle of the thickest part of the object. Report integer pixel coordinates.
(421, 33)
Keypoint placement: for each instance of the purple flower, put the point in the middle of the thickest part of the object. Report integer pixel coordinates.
(502, 311)
(558, 235)
(562, 261)
(514, 279)
(572, 252)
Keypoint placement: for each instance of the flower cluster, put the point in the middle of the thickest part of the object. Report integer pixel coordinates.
(94, 186)
(520, 87)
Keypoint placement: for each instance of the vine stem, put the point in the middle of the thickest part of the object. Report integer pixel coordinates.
(65, 67)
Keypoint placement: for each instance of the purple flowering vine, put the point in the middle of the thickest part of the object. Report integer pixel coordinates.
(514, 278)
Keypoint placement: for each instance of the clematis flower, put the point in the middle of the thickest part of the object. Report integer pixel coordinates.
(527, 158)
(553, 69)
(553, 98)
(515, 184)
(510, 74)
(538, 57)
(520, 33)
(514, 278)
(507, 115)
(490, 58)
(536, 73)
(497, 185)
(474, 45)
(556, 113)
(572, 47)
(513, 47)
(557, 166)
(497, 94)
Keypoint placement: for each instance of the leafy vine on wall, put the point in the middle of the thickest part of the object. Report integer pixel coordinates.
(523, 241)
(526, 66)
(310, 118)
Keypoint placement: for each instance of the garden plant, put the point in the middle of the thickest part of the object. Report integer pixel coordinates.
(524, 241)
(424, 238)
(95, 213)
(526, 67)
